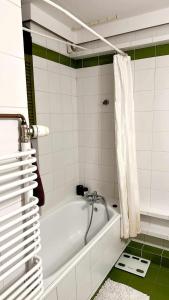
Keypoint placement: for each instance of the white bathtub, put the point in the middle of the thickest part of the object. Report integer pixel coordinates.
(73, 271)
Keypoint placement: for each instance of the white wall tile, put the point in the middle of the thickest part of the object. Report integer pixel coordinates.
(143, 141)
(88, 86)
(144, 177)
(160, 141)
(39, 62)
(146, 63)
(144, 100)
(161, 101)
(160, 161)
(144, 160)
(45, 164)
(13, 87)
(66, 85)
(159, 200)
(144, 198)
(106, 84)
(53, 66)
(161, 78)
(55, 92)
(160, 180)
(144, 121)
(53, 82)
(162, 61)
(107, 121)
(144, 80)
(41, 80)
(11, 36)
(161, 121)
(43, 103)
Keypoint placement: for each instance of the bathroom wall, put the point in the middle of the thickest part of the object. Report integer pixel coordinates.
(97, 164)
(94, 149)
(12, 73)
(12, 88)
(152, 133)
(56, 107)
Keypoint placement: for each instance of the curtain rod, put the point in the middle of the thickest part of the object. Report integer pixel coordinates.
(53, 38)
(70, 15)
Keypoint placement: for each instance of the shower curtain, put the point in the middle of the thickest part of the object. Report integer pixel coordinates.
(126, 147)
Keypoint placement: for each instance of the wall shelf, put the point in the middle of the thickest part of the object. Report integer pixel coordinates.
(154, 214)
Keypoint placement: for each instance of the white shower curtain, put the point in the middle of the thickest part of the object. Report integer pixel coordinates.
(126, 147)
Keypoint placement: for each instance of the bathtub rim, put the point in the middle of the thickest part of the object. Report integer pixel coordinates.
(53, 280)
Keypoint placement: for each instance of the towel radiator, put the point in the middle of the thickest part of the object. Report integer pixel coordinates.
(19, 228)
(20, 266)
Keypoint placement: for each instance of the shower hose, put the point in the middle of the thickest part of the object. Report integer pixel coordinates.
(91, 218)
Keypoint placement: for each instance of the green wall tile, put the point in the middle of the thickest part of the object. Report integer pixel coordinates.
(98, 60)
(65, 60)
(76, 63)
(145, 52)
(105, 59)
(162, 50)
(90, 62)
(39, 51)
(53, 56)
(131, 53)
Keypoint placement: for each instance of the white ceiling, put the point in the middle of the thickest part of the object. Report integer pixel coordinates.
(92, 10)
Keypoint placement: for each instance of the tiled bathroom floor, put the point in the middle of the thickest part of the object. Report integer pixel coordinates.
(156, 282)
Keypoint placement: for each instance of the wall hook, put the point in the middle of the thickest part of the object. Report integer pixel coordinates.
(105, 102)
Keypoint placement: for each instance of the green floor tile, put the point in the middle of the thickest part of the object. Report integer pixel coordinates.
(165, 262)
(151, 256)
(165, 253)
(163, 276)
(153, 250)
(159, 292)
(133, 251)
(136, 245)
(155, 284)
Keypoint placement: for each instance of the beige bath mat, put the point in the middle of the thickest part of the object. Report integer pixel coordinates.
(112, 290)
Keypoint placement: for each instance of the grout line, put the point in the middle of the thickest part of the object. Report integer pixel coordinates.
(161, 257)
(142, 250)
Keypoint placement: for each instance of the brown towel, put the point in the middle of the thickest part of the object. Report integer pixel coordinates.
(39, 191)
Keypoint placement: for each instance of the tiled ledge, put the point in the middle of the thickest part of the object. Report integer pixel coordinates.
(135, 54)
(156, 255)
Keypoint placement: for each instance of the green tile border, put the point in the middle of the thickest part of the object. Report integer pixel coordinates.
(157, 255)
(135, 54)
(145, 52)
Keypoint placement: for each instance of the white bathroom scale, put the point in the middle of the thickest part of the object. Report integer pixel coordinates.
(133, 264)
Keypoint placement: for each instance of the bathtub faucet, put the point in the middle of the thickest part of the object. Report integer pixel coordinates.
(91, 197)
(95, 198)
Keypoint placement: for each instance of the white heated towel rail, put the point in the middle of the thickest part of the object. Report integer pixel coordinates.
(20, 267)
